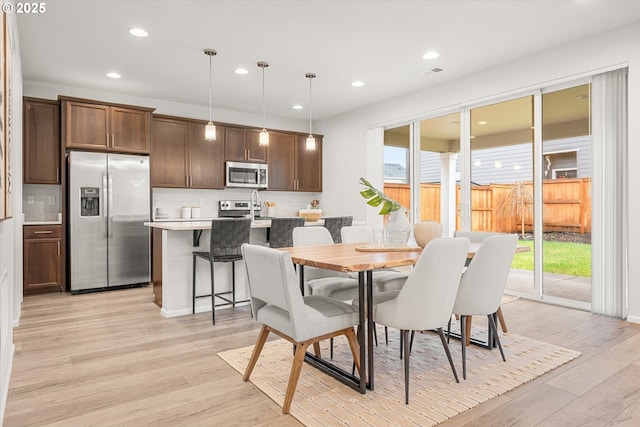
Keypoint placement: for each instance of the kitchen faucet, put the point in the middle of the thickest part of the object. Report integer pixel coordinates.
(253, 203)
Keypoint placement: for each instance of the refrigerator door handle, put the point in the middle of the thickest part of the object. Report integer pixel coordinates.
(104, 206)
(110, 204)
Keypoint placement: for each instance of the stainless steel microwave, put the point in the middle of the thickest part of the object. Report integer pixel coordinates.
(247, 175)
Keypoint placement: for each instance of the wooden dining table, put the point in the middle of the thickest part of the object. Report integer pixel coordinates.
(353, 258)
(361, 258)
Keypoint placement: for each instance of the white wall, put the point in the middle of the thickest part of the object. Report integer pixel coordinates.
(11, 231)
(346, 135)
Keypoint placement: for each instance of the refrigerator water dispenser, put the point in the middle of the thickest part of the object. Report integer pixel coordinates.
(89, 201)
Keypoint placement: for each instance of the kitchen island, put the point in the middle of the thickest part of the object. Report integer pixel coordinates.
(172, 244)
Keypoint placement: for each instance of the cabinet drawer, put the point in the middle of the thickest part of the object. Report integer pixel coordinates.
(42, 231)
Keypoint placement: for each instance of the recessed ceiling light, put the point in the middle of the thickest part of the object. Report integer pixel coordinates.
(241, 71)
(113, 75)
(138, 32)
(581, 97)
(357, 83)
(482, 122)
(297, 107)
(517, 167)
(431, 55)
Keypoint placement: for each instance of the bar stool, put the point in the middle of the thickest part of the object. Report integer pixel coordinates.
(227, 236)
(281, 231)
(334, 225)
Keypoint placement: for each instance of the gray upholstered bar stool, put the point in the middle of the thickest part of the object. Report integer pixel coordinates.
(227, 236)
(335, 223)
(281, 231)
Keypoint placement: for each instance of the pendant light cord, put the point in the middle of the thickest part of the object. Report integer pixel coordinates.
(310, 107)
(210, 84)
(264, 111)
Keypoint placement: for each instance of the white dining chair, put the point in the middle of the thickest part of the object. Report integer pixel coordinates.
(276, 302)
(482, 285)
(426, 300)
(318, 281)
(384, 279)
(478, 237)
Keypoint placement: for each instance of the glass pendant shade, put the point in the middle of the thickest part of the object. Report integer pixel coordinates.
(311, 143)
(210, 132)
(264, 137)
(210, 128)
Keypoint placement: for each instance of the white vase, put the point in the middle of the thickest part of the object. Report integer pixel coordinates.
(426, 231)
(397, 230)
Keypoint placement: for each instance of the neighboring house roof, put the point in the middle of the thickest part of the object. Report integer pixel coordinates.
(394, 172)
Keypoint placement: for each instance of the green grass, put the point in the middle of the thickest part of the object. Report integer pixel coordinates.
(573, 259)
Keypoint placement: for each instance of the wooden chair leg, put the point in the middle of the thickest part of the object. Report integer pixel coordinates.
(298, 360)
(355, 348)
(468, 330)
(316, 348)
(262, 338)
(503, 323)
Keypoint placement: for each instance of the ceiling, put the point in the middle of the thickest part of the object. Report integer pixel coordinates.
(381, 43)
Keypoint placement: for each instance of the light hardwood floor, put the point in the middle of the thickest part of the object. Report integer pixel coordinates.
(110, 359)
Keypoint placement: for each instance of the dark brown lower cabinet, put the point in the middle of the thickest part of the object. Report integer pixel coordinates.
(42, 259)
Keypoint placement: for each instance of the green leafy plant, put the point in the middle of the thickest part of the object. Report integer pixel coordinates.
(376, 198)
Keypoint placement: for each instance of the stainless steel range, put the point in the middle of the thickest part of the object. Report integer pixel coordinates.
(237, 208)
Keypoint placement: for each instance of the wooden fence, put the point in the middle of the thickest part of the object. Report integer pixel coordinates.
(567, 205)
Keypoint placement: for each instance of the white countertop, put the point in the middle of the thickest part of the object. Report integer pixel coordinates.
(42, 218)
(42, 223)
(206, 224)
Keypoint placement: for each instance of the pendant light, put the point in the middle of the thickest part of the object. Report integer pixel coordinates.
(210, 129)
(264, 134)
(311, 141)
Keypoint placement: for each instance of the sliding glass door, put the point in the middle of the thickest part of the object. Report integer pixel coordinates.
(525, 165)
(566, 192)
(501, 190)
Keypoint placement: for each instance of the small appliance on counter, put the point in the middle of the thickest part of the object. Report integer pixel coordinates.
(238, 209)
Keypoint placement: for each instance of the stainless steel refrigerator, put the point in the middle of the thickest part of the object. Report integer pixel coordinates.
(108, 204)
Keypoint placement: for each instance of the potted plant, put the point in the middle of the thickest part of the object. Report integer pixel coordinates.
(397, 229)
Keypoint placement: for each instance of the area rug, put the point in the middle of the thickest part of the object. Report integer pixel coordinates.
(434, 395)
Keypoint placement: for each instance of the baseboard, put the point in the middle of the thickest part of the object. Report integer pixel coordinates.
(633, 319)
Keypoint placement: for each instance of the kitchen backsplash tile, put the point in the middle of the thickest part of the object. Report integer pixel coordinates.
(40, 202)
(171, 201)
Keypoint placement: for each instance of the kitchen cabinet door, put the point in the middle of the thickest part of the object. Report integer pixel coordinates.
(130, 130)
(255, 152)
(206, 158)
(42, 259)
(282, 161)
(242, 145)
(234, 150)
(169, 153)
(86, 125)
(41, 141)
(308, 165)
